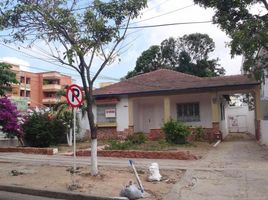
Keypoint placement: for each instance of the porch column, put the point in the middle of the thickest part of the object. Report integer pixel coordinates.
(258, 114)
(130, 112)
(215, 111)
(167, 115)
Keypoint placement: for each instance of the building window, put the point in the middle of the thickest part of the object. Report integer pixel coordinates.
(22, 79)
(28, 81)
(28, 93)
(188, 112)
(22, 93)
(106, 113)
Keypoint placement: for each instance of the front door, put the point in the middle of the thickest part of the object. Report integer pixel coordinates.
(147, 118)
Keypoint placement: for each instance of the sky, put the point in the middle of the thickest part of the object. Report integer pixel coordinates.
(139, 40)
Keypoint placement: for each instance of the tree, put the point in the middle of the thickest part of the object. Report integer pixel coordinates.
(246, 28)
(7, 77)
(10, 119)
(188, 54)
(85, 33)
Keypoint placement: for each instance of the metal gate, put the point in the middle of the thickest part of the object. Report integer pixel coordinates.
(237, 123)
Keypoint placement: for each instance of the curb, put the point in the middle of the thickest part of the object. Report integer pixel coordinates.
(54, 194)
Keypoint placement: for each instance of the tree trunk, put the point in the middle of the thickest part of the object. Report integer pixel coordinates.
(20, 140)
(94, 160)
(93, 129)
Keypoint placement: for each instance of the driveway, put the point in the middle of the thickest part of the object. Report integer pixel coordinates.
(236, 170)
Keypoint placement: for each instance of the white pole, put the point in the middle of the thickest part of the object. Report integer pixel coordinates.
(217, 143)
(74, 122)
(136, 175)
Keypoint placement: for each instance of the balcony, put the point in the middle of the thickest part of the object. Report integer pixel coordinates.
(51, 87)
(24, 86)
(51, 75)
(50, 100)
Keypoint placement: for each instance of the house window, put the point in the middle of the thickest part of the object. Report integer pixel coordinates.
(106, 113)
(222, 111)
(188, 112)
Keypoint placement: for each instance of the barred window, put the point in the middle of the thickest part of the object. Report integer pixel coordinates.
(106, 113)
(188, 112)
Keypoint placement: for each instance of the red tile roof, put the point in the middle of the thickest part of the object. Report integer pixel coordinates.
(164, 80)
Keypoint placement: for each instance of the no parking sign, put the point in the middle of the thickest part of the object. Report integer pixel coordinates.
(74, 95)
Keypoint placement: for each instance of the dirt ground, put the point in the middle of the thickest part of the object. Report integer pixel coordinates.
(60, 179)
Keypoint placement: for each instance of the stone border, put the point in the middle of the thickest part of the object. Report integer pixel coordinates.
(30, 150)
(175, 155)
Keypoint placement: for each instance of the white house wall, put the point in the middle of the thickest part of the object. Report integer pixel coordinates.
(84, 125)
(122, 114)
(204, 107)
(264, 132)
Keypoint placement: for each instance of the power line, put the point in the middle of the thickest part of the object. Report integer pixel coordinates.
(165, 1)
(150, 26)
(169, 24)
(167, 13)
(31, 56)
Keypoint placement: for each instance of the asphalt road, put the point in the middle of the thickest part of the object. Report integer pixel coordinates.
(18, 196)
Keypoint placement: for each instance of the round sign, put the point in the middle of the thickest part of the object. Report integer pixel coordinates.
(74, 95)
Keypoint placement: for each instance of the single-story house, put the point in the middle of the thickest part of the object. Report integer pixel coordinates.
(145, 102)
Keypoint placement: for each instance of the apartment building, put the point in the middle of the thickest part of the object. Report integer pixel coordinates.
(38, 89)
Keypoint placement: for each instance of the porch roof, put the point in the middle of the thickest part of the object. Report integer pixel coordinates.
(168, 81)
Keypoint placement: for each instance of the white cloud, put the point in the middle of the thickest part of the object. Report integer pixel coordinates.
(24, 65)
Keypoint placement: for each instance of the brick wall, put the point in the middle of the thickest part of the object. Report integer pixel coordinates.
(177, 155)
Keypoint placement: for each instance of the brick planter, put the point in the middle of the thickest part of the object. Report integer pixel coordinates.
(176, 155)
(30, 150)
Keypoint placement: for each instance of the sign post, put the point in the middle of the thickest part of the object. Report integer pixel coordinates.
(74, 97)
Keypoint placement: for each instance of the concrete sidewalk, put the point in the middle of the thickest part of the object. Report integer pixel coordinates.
(54, 194)
(236, 170)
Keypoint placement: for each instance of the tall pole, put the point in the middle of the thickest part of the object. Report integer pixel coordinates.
(74, 122)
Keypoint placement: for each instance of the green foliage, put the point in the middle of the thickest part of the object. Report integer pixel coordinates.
(176, 132)
(199, 133)
(188, 54)
(7, 77)
(137, 138)
(130, 143)
(247, 29)
(42, 131)
(119, 145)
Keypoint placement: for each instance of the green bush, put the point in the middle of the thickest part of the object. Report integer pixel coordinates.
(137, 138)
(176, 132)
(119, 145)
(40, 130)
(199, 133)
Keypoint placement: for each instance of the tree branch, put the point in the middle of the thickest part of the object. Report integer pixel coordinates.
(112, 51)
(91, 58)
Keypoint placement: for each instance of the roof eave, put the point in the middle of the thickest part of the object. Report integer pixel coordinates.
(185, 90)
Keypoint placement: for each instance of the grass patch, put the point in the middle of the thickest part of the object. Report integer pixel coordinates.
(79, 145)
(161, 145)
